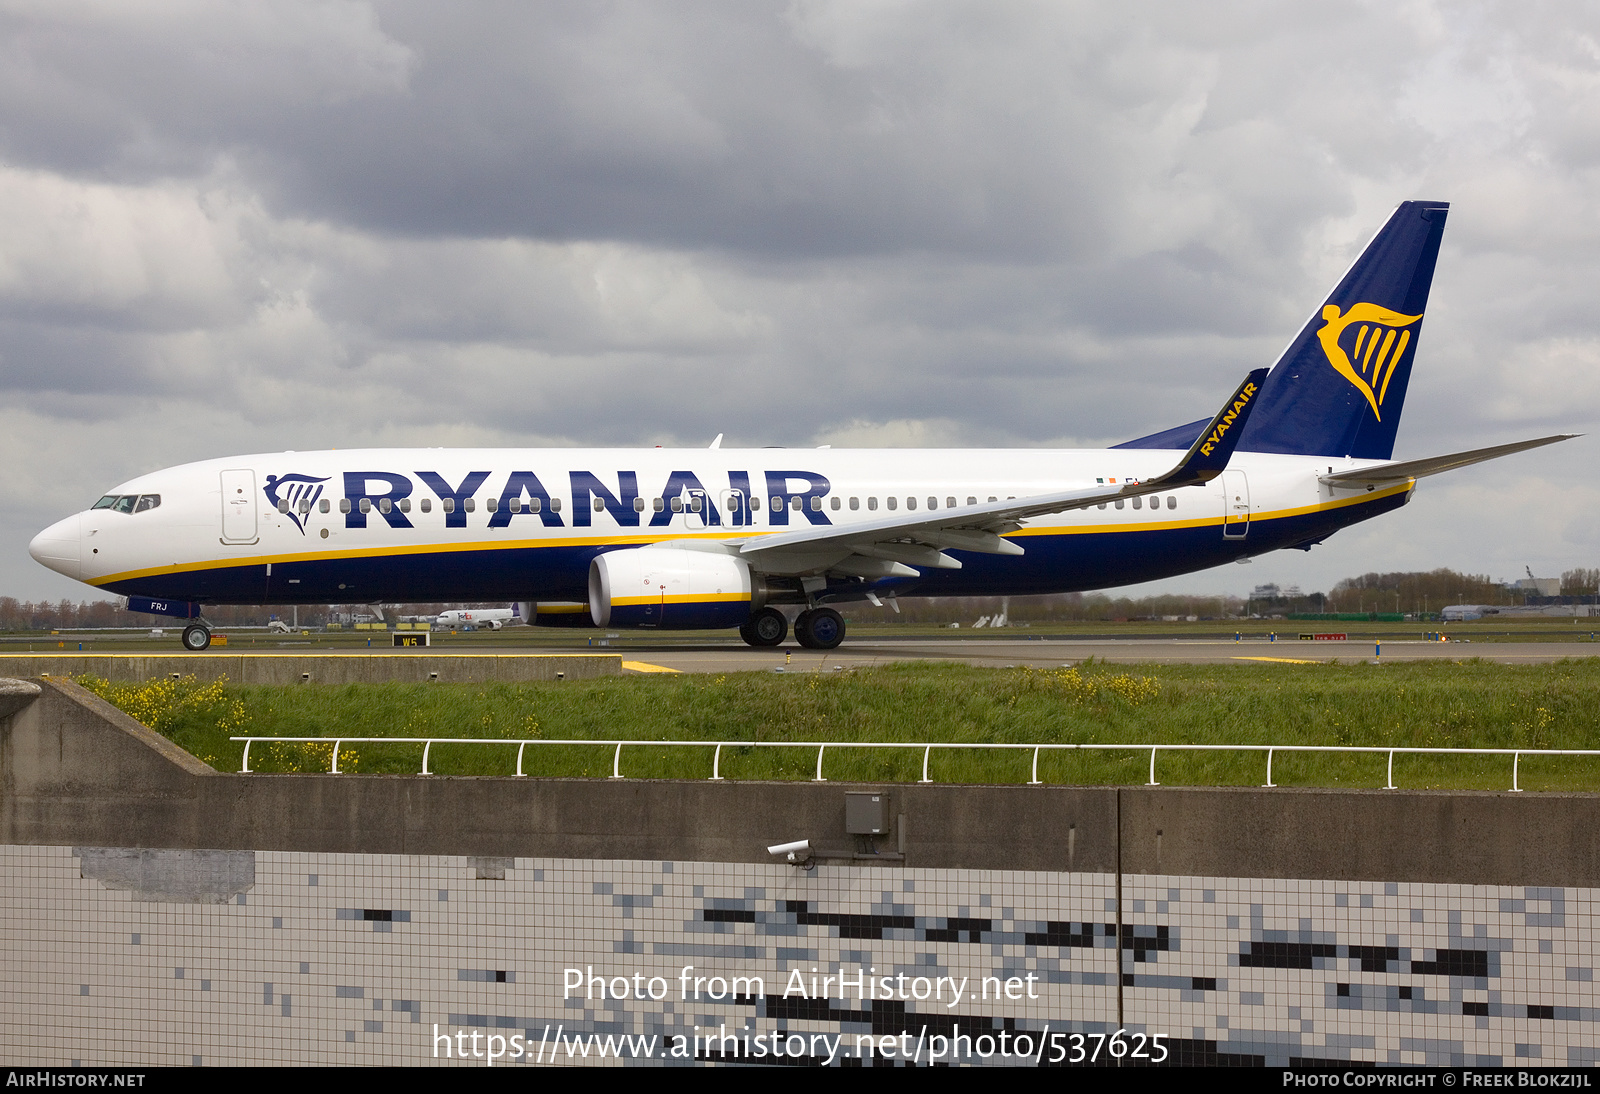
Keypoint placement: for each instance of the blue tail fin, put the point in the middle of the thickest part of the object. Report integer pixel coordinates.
(1339, 387)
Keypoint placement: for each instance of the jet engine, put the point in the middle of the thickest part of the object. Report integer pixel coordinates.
(671, 587)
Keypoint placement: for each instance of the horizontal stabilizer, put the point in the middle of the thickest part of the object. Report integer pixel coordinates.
(1434, 465)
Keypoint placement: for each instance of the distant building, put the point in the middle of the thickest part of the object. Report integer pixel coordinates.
(1539, 586)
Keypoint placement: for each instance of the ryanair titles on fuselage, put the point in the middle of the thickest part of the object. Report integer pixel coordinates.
(380, 493)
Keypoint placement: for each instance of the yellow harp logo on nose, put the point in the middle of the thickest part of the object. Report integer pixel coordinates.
(1379, 344)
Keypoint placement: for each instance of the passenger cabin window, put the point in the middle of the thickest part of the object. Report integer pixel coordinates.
(933, 503)
(816, 505)
(305, 506)
(514, 505)
(366, 504)
(469, 504)
(677, 505)
(555, 505)
(993, 498)
(535, 504)
(755, 502)
(694, 503)
(385, 505)
(448, 505)
(426, 505)
(491, 504)
(1172, 501)
(794, 503)
(323, 506)
(1119, 503)
(949, 503)
(834, 502)
(892, 502)
(855, 503)
(657, 505)
(911, 503)
(872, 503)
(344, 505)
(1136, 503)
(405, 505)
(283, 505)
(970, 500)
(638, 505)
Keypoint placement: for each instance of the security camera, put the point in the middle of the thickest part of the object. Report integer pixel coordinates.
(793, 852)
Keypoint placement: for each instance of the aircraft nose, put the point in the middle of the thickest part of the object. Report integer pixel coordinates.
(57, 547)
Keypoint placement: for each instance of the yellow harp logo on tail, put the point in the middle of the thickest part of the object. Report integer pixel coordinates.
(1380, 342)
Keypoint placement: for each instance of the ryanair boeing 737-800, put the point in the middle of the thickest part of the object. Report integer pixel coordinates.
(756, 539)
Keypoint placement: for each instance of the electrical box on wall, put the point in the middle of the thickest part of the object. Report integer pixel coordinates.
(866, 814)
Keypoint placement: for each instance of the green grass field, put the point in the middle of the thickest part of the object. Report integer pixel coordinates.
(1465, 704)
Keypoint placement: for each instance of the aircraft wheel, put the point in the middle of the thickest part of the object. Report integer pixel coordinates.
(819, 629)
(767, 627)
(196, 638)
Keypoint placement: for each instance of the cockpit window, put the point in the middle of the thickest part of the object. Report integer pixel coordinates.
(128, 503)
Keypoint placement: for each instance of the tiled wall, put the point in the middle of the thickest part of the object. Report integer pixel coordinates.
(122, 957)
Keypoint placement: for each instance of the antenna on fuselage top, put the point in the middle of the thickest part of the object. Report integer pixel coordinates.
(718, 442)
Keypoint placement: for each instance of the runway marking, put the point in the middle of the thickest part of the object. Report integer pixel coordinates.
(643, 666)
(1282, 660)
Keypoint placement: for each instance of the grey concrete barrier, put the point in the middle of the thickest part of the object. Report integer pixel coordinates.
(76, 771)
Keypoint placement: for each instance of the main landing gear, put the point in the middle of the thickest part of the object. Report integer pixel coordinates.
(767, 627)
(815, 629)
(196, 637)
(819, 629)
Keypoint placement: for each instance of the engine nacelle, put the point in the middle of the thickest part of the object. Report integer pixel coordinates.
(669, 587)
(557, 613)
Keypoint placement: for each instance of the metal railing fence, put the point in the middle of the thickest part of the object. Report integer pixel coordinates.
(927, 748)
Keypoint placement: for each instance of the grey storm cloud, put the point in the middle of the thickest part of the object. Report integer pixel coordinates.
(229, 227)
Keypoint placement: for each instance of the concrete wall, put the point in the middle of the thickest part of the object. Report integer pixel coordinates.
(74, 770)
(335, 668)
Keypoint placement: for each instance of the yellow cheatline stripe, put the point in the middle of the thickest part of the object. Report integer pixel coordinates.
(412, 549)
(687, 598)
(729, 533)
(642, 666)
(1152, 526)
(1281, 660)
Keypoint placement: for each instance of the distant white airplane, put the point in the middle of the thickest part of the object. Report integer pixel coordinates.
(487, 618)
(758, 538)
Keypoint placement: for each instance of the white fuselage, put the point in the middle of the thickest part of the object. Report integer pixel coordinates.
(437, 524)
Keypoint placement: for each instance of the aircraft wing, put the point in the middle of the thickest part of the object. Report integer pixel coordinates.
(890, 546)
(1433, 465)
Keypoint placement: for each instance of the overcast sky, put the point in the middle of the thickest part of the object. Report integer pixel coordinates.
(243, 227)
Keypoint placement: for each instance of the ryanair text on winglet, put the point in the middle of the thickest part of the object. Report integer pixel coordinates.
(1246, 393)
